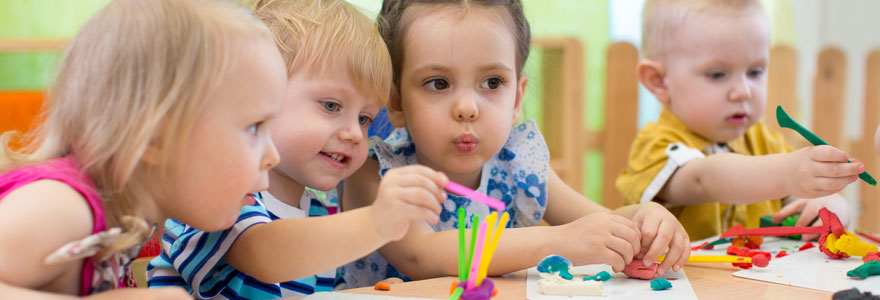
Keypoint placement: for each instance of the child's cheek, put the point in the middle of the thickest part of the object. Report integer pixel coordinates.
(877, 139)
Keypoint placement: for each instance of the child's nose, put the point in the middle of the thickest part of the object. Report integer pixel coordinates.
(353, 132)
(270, 156)
(465, 108)
(740, 90)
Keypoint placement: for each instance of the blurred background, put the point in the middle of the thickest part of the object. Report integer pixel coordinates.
(583, 58)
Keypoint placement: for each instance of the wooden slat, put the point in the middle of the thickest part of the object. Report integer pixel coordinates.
(869, 218)
(782, 90)
(29, 45)
(621, 116)
(562, 97)
(829, 87)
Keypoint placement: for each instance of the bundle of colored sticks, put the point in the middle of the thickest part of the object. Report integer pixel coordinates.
(472, 269)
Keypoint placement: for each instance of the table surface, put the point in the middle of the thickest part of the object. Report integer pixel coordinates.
(710, 281)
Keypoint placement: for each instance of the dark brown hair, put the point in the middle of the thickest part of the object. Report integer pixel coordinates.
(391, 26)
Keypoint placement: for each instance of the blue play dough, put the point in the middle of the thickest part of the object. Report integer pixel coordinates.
(602, 276)
(555, 263)
(660, 284)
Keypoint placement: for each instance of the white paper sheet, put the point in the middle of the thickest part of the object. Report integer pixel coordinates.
(618, 287)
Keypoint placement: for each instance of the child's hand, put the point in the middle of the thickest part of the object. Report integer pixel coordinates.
(661, 231)
(405, 194)
(809, 210)
(599, 238)
(820, 171)
(143, 294)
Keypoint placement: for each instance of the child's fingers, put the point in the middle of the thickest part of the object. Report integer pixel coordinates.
(841, 169)
(685, 241)
(648, 231)
(623, 229)
(808, 214)
(613, 259)
(829, 185)
(673, 256)
(438, 178)
(665, 234)
(622, 248)
(827, 153)
(422, 198)
(787, 211)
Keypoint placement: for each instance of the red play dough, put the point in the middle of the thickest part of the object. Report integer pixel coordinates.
(636, 269)
(872, 256)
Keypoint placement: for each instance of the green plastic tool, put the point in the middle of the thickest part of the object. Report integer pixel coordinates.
(786, 122)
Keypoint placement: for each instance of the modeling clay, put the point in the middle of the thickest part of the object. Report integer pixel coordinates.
(870, 268)
(853, 294)
(871, 256)
(602, 276)
(660, 284)
(748, 241)
(382, 286)
(637, 269)
(480, 292)
(555, 263)
(806, 246)
(781, 254)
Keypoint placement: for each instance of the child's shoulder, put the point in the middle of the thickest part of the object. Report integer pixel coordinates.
(42, 216)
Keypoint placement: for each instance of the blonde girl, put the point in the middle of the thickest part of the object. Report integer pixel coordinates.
(153, 115)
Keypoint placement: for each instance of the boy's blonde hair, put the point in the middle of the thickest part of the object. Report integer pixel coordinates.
(661, 18)
(136, 77)
(314, 35)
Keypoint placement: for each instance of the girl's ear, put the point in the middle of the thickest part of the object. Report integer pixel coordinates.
(520, 92)
(395, 109)
(152, 155)
(652, 75)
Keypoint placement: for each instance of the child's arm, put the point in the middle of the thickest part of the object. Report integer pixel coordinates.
(289, 249)
(659, 230)
(740, 179)
(36, 220)
(423, 253)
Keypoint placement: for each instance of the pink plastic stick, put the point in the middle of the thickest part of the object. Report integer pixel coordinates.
(774, 231)
(465, 191)
(478, 252)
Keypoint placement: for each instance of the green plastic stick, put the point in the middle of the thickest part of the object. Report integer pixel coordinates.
(787, 122)
(456, 293)
(462, 269)
(474, 226)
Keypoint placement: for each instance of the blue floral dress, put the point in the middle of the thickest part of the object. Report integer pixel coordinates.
(517, 175)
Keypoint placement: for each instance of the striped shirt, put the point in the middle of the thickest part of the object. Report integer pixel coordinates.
(193, 259)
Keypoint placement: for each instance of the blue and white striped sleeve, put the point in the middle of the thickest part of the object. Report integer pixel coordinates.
(193, 259)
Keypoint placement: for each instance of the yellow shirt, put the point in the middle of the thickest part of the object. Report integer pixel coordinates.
(648, 157)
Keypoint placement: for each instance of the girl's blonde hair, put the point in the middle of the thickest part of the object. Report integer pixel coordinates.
(315, 35)
(135, 77)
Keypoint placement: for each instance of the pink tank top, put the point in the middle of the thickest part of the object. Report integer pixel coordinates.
(65, 170)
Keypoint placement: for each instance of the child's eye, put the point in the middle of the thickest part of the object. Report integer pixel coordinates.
(437, 84)
(491, 83)
(254, 128)
(756, 72)
(330, 106)
(715, 75)
(365, 120)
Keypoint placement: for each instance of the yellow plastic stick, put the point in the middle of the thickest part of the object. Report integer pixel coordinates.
(715, 259)
(492, 246)
(484, 262)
